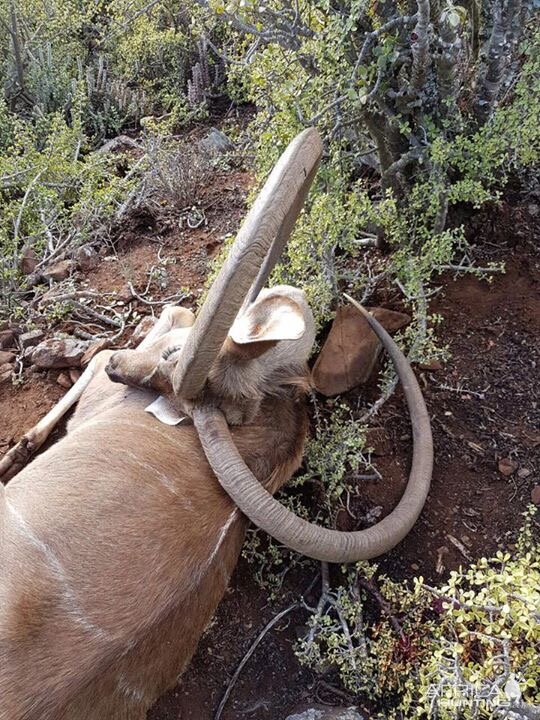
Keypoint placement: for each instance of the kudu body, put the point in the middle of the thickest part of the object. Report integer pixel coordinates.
(117, 543)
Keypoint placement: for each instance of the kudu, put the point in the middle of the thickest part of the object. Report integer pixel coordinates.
(117, 543)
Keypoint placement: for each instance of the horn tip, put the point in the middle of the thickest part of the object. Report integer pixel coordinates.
(356, 304)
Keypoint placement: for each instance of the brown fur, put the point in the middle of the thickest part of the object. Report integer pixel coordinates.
(98, 626)
(116, 553)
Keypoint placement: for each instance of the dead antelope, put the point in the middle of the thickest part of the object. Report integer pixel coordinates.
(117, 543)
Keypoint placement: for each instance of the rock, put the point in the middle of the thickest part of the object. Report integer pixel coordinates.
(27, 354)
(6, 357)
(30, 338)
(5, 372)
(59, 353)
(7, 338)
(86, 257)
(523, 472)
(64, 380)
(125, 294)
(94, 349)
(371, 160)
(59, 271)
(324, 712)
(507, 466)
(74, 375)
(28, 261)
(351, 349)
(34, 279)
(142, 329)
(432, 366)
(121, 142)
(216, 143)
(535, 494)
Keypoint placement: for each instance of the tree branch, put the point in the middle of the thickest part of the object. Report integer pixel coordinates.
(492, 75)
(420, 46)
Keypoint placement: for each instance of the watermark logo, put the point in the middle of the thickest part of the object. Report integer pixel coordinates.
(502, 699)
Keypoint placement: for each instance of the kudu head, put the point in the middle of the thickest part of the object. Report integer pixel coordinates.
(243, 335)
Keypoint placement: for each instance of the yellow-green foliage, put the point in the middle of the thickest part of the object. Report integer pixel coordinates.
(462, 164)
(334, 454)
(511, 140)
(130, 59)
(445, 652)
(50, 189)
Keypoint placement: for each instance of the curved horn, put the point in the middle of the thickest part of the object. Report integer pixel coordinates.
(307, 538)
(254, 253)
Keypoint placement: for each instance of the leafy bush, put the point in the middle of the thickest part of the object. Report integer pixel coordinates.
(127, 58)
(465, 650)
(408, 136)
(51, 197)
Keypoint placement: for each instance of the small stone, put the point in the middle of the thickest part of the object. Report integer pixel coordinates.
(216, 143)
(6, 357)
(120, 143)
(431, 366)
(125, 294)
(64, 381)
(507, 466)
(86, 257)
(523, 472)
(93, 350)
(7, 338)
(535, 494)
(74, 375)
(351, 349)
(325, 712)
(28, 261)
(59, 271)
(5, 372)
(415, 567)
(59, 353)
(30, 338)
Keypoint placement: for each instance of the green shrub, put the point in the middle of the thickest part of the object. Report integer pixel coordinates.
(455, 651)
(53, 195)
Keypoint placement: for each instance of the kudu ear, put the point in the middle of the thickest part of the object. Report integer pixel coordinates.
(269, 319)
